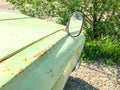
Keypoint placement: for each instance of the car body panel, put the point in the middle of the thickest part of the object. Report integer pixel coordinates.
(44, 63)
(22, 32)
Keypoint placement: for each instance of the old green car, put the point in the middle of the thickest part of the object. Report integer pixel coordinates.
(36, 54)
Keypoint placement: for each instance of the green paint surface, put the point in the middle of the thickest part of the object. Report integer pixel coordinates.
(42, 55)
(18, 31)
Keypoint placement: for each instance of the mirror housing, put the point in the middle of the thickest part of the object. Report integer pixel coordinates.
(75, 23)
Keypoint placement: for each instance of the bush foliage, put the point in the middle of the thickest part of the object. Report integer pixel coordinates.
(105, 50)
(102, 17)
(102, 22)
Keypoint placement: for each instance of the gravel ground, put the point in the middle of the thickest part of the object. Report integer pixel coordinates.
(94, 77)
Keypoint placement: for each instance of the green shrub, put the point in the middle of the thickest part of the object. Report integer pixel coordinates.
(104, 50)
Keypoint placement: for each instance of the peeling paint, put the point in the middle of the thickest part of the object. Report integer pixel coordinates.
(39, 54)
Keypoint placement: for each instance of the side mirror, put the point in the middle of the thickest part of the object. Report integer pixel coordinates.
(75, 23)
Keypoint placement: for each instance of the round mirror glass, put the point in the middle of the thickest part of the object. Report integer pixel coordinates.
(75, 24)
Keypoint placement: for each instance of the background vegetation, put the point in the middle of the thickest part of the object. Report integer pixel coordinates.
(101, 26)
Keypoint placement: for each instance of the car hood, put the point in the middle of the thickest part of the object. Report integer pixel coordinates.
(19, 31)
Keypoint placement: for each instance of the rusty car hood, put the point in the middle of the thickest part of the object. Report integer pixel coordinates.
(19, 31)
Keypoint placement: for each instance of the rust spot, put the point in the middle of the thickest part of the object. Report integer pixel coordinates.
(25, 60)
(20, 70)
(39, 54)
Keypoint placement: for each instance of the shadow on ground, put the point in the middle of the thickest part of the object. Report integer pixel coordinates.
(74, 83)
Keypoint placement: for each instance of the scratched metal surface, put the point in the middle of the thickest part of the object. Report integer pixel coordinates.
(18, 31)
